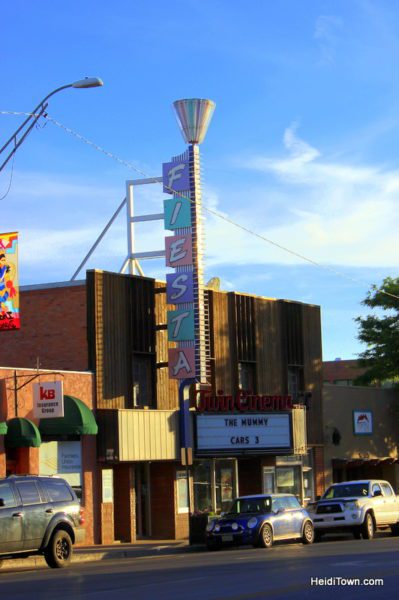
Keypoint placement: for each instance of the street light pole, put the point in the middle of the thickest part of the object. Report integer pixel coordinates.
(39, 111)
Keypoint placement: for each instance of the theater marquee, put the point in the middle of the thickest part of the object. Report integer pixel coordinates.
(243, 433)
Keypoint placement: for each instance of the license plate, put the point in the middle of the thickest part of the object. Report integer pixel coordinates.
(328, 518)
(227, 538)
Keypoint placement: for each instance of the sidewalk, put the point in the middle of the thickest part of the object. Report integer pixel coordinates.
(140, 549)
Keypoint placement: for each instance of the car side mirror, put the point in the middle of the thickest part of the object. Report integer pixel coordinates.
(377, 493)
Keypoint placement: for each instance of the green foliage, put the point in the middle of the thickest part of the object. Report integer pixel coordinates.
(381, 334)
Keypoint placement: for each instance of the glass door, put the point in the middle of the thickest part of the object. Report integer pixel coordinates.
(269, 480)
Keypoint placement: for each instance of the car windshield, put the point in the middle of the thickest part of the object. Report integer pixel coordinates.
(352, 490)
(250, 505)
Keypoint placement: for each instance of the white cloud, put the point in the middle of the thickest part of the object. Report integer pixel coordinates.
(338, 214)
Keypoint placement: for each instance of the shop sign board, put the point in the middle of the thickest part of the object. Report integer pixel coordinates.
(48, 399)
(362, 422)
(208, 401)
(242, 433)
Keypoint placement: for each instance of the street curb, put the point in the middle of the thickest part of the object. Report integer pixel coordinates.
(97, 555)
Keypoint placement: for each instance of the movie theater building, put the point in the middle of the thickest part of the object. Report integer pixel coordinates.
(256, 427)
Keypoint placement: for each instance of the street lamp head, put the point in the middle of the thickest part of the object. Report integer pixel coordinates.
(88, 82)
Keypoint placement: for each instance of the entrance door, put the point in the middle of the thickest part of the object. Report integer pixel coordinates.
(142, 485)
(269, 480)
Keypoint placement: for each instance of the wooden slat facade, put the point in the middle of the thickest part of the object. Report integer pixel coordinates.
(271, 376)
(127, 318)
(121, 323)
(167, 389)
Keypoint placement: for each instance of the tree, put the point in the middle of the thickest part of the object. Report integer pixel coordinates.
(381, 334)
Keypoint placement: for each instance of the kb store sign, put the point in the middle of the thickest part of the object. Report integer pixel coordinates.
(48, 400)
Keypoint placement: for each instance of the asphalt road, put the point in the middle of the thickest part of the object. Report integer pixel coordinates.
(284, 571)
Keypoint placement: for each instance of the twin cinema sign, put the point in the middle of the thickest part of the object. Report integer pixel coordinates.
(184, 250)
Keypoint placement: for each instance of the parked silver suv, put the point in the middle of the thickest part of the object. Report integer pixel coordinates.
(39, 515)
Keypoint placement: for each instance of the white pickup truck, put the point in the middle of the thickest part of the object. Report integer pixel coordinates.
(358, 506)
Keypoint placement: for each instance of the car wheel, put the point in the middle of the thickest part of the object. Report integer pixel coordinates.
(266, 536)
(58, 553)
(357, 534)
(308, 533)
(395, 529)
(368, 527)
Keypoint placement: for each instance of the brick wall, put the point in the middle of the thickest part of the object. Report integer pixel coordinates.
(2, 458)
(90, 498)
(53, 330)
(124, 503)
(107, 523)
(163, 477)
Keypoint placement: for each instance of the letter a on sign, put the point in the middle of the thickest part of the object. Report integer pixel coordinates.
(181, 363)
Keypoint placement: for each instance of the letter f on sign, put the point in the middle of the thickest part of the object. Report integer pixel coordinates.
(175, 173)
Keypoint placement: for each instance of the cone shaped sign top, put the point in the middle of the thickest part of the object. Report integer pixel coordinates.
(194, 116)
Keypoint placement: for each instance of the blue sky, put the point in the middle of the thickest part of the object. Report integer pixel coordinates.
(303, 147)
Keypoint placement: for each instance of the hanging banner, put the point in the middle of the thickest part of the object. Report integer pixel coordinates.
(9, 288)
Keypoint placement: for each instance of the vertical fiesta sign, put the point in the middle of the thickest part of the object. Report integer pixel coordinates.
(184, 249)
(9, 289)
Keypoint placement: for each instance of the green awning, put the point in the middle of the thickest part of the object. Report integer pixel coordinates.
(22, 433)
(3, 428)
(78, 419)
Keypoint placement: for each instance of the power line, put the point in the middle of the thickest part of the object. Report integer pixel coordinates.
(131, 166)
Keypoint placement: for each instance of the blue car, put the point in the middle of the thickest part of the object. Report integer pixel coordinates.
(260, 520)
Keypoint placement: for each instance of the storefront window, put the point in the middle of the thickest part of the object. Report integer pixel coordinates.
(63, 458)
(225, 483)
(202, 481)
(215, 484)
(288, 480)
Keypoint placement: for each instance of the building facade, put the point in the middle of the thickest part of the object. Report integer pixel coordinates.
(361, 433)
(64, 445)
(264, 360)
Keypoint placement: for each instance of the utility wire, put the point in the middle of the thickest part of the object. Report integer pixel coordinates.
(131, 166)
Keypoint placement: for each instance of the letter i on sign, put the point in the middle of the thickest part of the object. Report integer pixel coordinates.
(177, 213)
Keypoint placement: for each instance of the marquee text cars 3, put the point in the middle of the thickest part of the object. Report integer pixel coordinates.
(260, 520)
